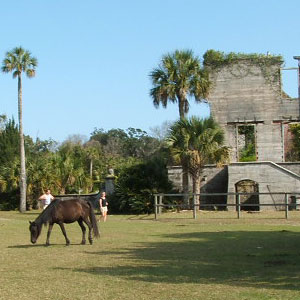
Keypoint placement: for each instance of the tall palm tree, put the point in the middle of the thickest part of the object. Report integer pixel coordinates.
(18, 61)
(178, 78)
(197, 142)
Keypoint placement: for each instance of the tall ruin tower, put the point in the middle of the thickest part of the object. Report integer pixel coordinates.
(247, 100)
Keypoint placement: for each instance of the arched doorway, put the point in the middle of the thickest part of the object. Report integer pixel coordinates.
(252, 201)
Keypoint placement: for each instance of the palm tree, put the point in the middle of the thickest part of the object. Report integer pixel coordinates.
(18, 61)
(178, 78)
(197, 142)
(92, 152)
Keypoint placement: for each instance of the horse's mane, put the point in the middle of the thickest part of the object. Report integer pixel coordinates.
(46, 214)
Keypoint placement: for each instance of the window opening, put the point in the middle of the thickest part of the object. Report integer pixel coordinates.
(292, 142)
(246, 143)
(289, 83)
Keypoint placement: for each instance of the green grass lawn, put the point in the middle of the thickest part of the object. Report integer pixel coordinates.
(214, 257)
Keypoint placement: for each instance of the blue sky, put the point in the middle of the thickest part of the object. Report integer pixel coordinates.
(95, 56)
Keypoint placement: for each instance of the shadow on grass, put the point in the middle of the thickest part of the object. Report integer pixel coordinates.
(49, 246)
(25, 246)
(264, 259)
(33, 213)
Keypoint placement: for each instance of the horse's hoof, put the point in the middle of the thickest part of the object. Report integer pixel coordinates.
(83, 243)
(47, 244)
(91, 242)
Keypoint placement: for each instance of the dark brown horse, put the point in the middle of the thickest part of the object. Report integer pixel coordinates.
(67, 211)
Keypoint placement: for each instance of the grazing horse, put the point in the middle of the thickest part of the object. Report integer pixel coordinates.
(67, 211)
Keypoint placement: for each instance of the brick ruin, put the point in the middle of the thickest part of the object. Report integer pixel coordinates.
(248, 102)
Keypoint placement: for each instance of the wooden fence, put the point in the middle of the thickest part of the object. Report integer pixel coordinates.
(287, 204)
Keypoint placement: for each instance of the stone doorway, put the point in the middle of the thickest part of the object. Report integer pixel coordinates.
(252, 201)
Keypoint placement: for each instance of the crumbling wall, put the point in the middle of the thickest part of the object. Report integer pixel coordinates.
(242, 94)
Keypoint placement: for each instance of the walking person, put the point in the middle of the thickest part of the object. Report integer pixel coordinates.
(46, 198)
(103, 203)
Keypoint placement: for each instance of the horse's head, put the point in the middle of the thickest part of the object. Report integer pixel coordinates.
(35, 231)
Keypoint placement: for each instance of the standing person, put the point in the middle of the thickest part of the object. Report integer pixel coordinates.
(103, 206)
(46, 198)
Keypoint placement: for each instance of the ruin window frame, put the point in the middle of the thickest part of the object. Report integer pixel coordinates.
(239, 148)
(283, 93)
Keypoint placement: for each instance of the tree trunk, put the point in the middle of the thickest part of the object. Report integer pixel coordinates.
(91, 168)
(185, 183)
(181, 112)
(22, 150)
(91, 174)
(181, 105)
(185, 171)
(197, 189)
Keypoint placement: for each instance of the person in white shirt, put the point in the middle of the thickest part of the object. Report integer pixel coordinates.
(46, 198)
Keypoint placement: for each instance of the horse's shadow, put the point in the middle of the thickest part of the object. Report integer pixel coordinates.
(41, 245)
(24, 246)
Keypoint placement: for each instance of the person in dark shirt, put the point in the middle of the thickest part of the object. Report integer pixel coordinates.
(103, 206)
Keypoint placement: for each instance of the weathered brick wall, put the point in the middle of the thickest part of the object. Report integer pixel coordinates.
(214, 180)
(283, 177)
(270, 177)
(292, 166)
(241, 94)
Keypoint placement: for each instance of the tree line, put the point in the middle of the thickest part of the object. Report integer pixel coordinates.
(78, 166)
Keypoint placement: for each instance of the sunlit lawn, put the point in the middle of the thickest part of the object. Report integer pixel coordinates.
(215, 256)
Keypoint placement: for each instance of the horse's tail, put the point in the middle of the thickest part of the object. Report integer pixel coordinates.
(93, 221)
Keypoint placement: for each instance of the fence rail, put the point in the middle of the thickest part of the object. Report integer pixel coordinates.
(158, 202)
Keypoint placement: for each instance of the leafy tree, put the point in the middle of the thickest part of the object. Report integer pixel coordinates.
(139, 144)
(160, 132)
(136, 184)
(18, 61)
(9, 184)
(178, 78)
(3, 120)
(197, 142)
(9, 142)
(111, 141)
(9, 165)
(130, 143)
(45, 145)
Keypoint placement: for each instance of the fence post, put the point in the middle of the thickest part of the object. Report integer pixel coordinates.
(159, 204)
(194, 207)
(155, 206)
(238, 206)
(286, 200)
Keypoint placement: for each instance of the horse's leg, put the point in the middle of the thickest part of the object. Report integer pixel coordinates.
(48, 234)
(83, 231)
(62, 227)
(88, 223)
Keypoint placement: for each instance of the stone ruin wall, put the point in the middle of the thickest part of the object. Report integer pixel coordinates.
(242, 95)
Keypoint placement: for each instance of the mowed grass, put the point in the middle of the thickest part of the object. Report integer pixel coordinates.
(214, 257)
